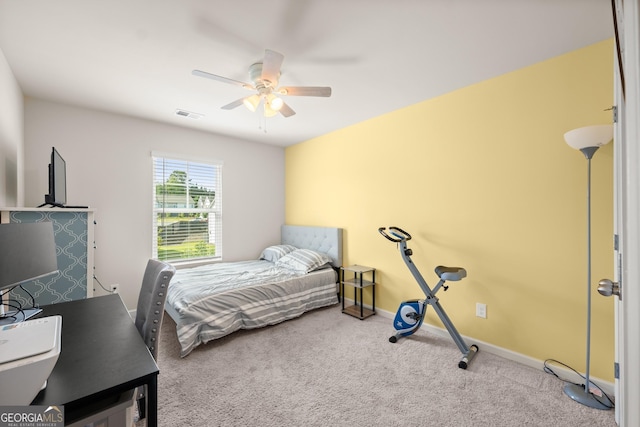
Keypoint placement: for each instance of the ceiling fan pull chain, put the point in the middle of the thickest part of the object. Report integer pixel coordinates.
(261, 120)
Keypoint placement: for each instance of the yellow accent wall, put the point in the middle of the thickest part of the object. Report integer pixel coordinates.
(482, 178)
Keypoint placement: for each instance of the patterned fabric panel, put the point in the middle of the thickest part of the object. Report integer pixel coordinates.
(70, 283)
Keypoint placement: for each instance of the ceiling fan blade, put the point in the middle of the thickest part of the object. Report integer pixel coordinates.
(286, 110)
(233, 105)
(271, 66)
(305, 91)
(222, 79)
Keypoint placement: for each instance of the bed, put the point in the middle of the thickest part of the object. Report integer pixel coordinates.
(298, 275)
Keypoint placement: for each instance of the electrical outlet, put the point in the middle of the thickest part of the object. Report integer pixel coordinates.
(481, 310)
(114, 288)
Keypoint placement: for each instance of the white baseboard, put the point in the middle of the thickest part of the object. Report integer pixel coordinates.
(565, 373)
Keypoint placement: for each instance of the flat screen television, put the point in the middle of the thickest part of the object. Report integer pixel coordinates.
(57, 181)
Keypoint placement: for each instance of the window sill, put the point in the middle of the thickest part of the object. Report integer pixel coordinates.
(194, 262)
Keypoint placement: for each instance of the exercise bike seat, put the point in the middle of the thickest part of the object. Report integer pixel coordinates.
(452, 274)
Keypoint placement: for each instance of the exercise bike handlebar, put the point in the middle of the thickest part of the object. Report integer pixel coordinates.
(399, 235)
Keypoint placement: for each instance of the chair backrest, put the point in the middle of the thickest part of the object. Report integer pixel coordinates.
(153, 295)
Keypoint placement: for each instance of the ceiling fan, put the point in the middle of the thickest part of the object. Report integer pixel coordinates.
(265, 76)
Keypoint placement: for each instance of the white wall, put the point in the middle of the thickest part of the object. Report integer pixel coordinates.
(11, 138)
(109, 168)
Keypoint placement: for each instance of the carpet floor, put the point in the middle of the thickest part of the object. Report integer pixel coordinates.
(326, 368)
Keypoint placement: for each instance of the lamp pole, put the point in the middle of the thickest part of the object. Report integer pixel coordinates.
(576, 391)
(588, 139)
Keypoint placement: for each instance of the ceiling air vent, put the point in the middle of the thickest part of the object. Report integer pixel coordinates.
(189, 114)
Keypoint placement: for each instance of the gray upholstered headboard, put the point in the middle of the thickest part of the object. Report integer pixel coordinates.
(321, 239)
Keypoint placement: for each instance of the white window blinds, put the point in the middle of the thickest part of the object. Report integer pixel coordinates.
(187, 209)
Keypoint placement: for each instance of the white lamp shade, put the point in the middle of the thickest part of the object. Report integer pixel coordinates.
(274, 102)
(251, 102)
(268, 111)
(589, 136)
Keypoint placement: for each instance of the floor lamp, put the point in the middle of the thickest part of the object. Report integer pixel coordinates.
(588, 139)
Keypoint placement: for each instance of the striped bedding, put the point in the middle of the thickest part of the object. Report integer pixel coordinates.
(211, 301)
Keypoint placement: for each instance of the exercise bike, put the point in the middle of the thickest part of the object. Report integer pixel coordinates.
(411, 313)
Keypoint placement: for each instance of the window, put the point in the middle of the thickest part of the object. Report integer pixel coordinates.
(187, 209)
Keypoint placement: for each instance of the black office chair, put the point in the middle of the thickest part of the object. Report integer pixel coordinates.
(150, 312)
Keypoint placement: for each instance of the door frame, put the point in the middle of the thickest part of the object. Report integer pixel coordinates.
(628, 312)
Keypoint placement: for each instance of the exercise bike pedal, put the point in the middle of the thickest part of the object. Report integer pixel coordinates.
(414, 316)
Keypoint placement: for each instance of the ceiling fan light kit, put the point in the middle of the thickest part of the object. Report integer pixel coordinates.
(274, 102)
(265, 76)
(251, 102)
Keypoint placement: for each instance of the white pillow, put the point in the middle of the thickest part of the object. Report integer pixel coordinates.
(303, 260)
(275, 252)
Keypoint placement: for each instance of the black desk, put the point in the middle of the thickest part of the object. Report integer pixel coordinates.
(103, 355)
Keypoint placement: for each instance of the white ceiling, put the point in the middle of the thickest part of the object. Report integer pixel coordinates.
(135, 57)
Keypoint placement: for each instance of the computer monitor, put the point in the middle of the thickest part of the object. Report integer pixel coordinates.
(31, 347)
(27, 252)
